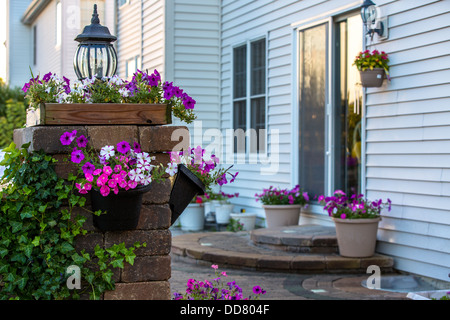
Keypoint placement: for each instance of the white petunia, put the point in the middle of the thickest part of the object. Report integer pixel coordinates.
(172, 169)
(144, 165)
(146, 180)
(107, 152)
(136, 175)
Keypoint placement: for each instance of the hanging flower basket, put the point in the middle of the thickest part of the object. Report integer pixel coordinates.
(122, 209)
(373, 67)
(372, 78)
(186, 186)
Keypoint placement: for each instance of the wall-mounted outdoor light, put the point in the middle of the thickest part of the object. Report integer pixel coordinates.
(370, 15)
(95, 55)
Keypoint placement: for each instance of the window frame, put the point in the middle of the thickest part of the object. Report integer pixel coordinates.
(249, 97)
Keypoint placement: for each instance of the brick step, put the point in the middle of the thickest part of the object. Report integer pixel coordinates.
(252, 250)
(298, 239)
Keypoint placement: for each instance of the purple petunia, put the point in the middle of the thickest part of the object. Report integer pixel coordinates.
(88, 168)
(82, 141)
(137, 147)
(189, 103)
(222, 180)
(77, 156)
(47, 77)
(123, 147)
(67, 137)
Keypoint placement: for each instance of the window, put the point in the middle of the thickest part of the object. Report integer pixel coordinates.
(58, 24)
(122, 2)
(131, 66)
(249, 96)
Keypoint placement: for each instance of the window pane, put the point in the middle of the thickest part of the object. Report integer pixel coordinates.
(240, 72)
(312, 90)
(258, 67)
(348, 107)
(239, 121)
(258, 124)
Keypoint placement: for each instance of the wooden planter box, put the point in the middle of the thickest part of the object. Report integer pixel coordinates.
(99, 113)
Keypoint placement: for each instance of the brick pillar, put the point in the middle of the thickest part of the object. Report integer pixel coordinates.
(148, 277)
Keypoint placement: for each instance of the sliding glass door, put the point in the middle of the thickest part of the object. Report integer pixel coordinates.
(330, 106)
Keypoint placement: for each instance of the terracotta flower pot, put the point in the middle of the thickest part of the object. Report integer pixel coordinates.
(356, 237)
(282, 215)
(372, 78)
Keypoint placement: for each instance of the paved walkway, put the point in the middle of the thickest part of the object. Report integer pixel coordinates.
(289, 264)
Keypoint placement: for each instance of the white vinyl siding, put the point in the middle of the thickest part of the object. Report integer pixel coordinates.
(193, 60)
(244, 21)
(19, 46)
(408, 138)
(129, 35)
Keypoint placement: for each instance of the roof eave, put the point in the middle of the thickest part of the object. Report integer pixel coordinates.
(33, 11)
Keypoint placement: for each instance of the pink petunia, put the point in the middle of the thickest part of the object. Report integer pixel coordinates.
(107, 170)
(104, 190)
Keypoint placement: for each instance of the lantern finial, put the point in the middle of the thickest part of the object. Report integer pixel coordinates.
(95, 19)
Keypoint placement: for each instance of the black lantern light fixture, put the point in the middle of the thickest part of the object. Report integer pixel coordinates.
(95, 55)
(369, 16)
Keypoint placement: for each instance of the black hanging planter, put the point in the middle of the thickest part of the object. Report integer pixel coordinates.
(122, 209)
(186, 186)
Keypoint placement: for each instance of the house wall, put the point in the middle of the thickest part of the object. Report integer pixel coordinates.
(407, 120)
(18, 45)
(48, 54)
(408, 138)
(192, 52)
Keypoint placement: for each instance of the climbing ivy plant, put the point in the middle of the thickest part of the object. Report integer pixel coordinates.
(38, 230)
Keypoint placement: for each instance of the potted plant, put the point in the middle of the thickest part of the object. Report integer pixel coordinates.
(116, 177)
(194, 175)
(282, 206)
(356, 220)
(193, 217)
(247, 220)
(373, 67)
(145, 99)
(224, 209)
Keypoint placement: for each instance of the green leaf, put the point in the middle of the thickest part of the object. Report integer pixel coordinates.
(16, 226)
(130, 258)
(66, 247)
(117, 263)
(35, 242)
(3, 252)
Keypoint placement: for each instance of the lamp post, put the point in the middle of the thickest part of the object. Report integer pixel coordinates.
(95, 55)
